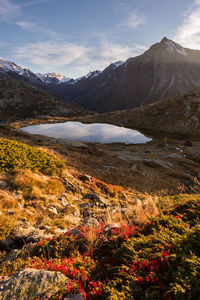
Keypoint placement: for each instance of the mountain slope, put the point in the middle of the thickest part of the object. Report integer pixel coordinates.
(20, 101)
(178, 116)
(165, 70)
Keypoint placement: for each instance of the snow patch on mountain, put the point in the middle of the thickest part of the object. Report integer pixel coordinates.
(173, 48)
(10, 66)
(49, 77)
(93, 74)
(116, 64)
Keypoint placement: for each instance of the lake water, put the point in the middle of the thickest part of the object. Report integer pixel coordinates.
(96, 132)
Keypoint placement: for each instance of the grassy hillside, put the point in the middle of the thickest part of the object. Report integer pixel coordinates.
(158, 260)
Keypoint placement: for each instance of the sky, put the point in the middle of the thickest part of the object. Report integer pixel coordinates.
(73, 37)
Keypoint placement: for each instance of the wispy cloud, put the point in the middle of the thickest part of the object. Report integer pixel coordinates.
(135, 19)
(33, 2)
(188, 33)
(52, 54)
(9, 10)
(113, 52)
(27, 26)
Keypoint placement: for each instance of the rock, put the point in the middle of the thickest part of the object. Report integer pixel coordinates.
(195, 119)
(92, 196)
(91, 222)
(32, 284)
(64, 202)
(73, 297)
(138, 202)
(76, 232)
(26, 233)
(85, 177)
(134, 169)
(85, 205)
(108, 227)
(10, 212)
(157, 162)
(53, 210)
(173, 155)
(3, 184)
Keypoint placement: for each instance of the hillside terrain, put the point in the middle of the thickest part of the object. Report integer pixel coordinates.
(82, 220)
(20, 101)
(103, 220)
(178, 116)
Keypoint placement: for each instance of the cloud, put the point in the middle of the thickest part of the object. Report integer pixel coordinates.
(113, 52)
(27, 25)
(9, 10)
(52, 53)
(78, 59)
(188, 33)
(33, 2)
(134, 19)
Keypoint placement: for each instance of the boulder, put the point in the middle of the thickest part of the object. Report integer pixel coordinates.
(73, 297)
(32, 284)
(91, 222)
(134, 169)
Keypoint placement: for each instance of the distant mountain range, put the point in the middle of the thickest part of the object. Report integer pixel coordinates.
(166, 69)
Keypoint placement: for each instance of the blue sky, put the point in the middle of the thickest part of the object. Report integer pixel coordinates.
(73, 37)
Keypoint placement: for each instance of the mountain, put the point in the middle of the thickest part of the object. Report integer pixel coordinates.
(163, 71)
(53, 78)
(17, 72)
(177, 117)
(20, 101)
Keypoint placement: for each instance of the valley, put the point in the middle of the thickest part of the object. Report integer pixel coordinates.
(108, 219)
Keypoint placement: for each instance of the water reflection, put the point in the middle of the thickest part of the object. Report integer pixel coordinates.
(96, 132)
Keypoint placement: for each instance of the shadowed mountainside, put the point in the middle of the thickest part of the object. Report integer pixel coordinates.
(20, 101)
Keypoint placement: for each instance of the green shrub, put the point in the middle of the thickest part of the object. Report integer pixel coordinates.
(15, 156)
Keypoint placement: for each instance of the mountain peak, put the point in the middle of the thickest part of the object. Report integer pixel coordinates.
(172, 47)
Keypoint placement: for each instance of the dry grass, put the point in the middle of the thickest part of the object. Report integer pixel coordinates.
(35, 186)
(7, 201)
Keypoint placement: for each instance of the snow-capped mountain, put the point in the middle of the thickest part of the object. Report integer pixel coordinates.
(8, 66)
(53, 78)
(47, 79)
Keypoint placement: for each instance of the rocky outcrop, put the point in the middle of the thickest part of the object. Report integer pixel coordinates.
(31, 284)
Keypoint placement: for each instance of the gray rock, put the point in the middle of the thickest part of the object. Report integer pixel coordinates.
(91, 222)
(73, 297)
(134, 169)
(92, 196)
(173, 155)
(64, 202)
(3, 184)
(32, 284)
(53, 210)
(85, 205)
